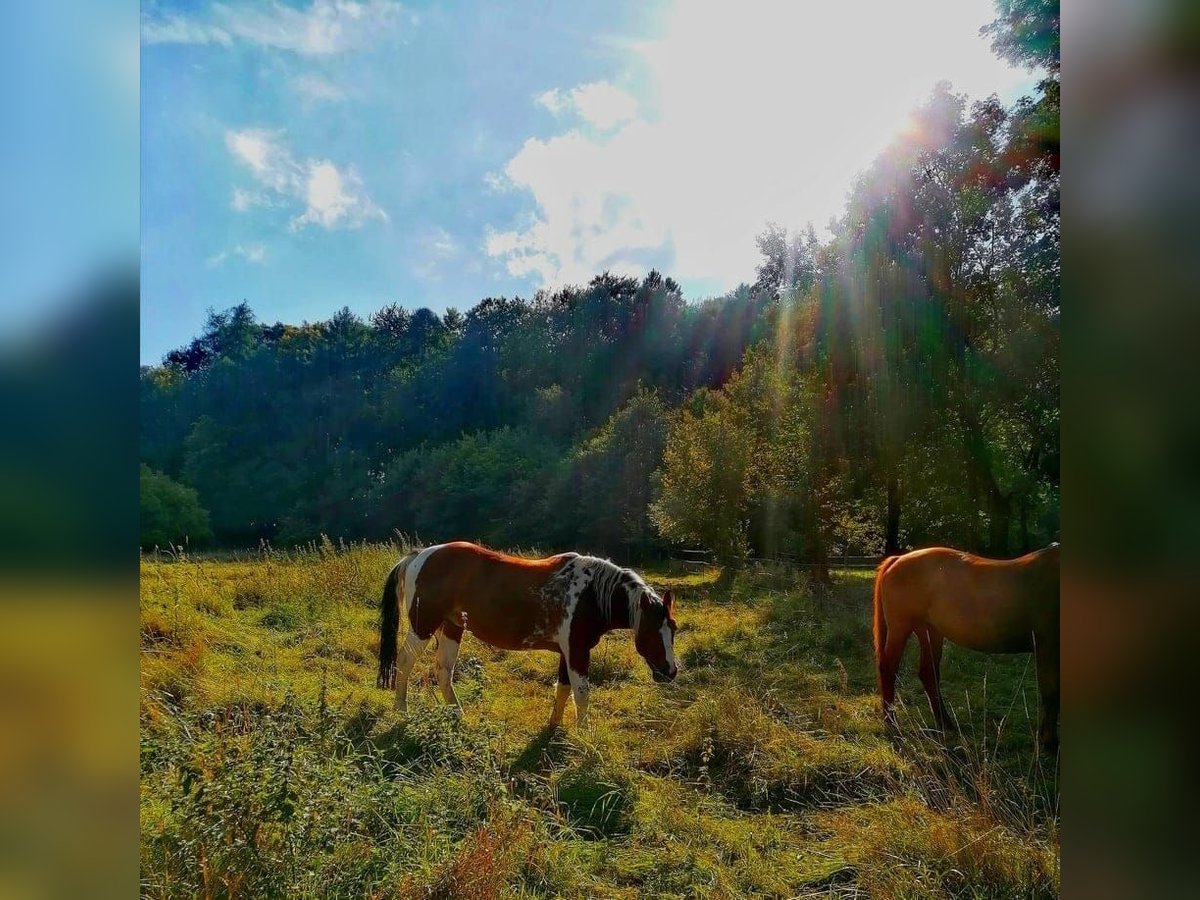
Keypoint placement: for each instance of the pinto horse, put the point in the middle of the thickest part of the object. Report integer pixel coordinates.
(564, 603)
(996, 606)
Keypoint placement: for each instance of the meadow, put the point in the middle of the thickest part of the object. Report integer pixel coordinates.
(271, 765)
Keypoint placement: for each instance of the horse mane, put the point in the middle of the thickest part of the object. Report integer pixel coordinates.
(607, 579)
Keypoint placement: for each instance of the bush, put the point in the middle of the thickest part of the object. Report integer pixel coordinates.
(267, 804)
(171, 513)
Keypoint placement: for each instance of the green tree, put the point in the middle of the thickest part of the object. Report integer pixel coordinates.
(610, 478)
(170, 513)
(705, 497)
(1026, 32)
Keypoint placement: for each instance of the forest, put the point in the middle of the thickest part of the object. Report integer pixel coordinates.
(890, 383)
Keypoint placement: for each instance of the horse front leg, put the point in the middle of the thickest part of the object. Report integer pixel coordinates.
(561, 693)
(578, 663)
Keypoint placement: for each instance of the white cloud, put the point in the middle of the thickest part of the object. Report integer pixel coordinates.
(434, 250)
(599, 103)
(496, 183)
(243, 200)
(315, 89)
(763, 112)
(324, 27)
(332, 197)
(335, 198)
(174, 28)
(554, 100)
(251, 253)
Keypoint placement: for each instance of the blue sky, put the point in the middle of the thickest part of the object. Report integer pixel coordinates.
(319, 153)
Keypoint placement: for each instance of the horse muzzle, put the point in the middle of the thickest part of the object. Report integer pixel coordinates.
(664, 676)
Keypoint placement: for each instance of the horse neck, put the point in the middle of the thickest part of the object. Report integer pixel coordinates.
(616, 609)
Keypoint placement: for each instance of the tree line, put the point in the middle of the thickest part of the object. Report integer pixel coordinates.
(893, 384)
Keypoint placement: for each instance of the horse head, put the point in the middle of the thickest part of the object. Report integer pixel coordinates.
(654, 635)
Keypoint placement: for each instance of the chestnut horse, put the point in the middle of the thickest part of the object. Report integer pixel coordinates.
(996, 606)
(564, 603)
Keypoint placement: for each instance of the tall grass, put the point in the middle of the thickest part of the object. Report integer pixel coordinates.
(271, 766)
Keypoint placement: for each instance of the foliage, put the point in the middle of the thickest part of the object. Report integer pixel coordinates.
(892, 385)
(482, 486)
(287, 432)
(910, 395)
(706, 467)
(1026, 32)
(610, 479)
(170, 513)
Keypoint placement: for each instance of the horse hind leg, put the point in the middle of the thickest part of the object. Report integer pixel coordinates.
(1046, 657)
(409, 652)
(889, 666)
(449, 640)
(931, 672)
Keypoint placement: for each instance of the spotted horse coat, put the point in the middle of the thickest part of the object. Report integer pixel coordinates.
(564, 603)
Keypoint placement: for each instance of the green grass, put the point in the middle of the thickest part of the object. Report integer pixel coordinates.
(272, 766)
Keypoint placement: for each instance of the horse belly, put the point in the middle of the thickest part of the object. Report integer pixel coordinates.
(514, 623)
(980, 625)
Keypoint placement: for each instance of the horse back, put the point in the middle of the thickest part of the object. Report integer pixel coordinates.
(497, 597)
(987, 604)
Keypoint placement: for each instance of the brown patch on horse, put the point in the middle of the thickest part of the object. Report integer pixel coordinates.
(495, 596)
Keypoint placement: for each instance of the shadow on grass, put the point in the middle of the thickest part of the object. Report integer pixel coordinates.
(545, 750)
(434, 738)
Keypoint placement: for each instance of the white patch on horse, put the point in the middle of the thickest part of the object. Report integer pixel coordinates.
(668, 645)
(574, 575)
(447, 656)
(579, 689)
(410, 579)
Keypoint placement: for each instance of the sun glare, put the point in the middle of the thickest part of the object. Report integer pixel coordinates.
(745, 114)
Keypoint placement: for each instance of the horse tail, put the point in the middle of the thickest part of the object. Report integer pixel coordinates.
(880, 621)
(389, 622)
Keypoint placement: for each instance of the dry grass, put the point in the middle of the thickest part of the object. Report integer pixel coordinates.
(272, 766)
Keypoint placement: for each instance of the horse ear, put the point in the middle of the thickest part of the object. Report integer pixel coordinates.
(668, 600)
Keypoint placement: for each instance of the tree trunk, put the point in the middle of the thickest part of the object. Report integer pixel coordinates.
(1023, 508)
(891, 542)
(1000, 518)
(820, 560)
(999, 504)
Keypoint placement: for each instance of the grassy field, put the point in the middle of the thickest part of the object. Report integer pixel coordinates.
(271, 765)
